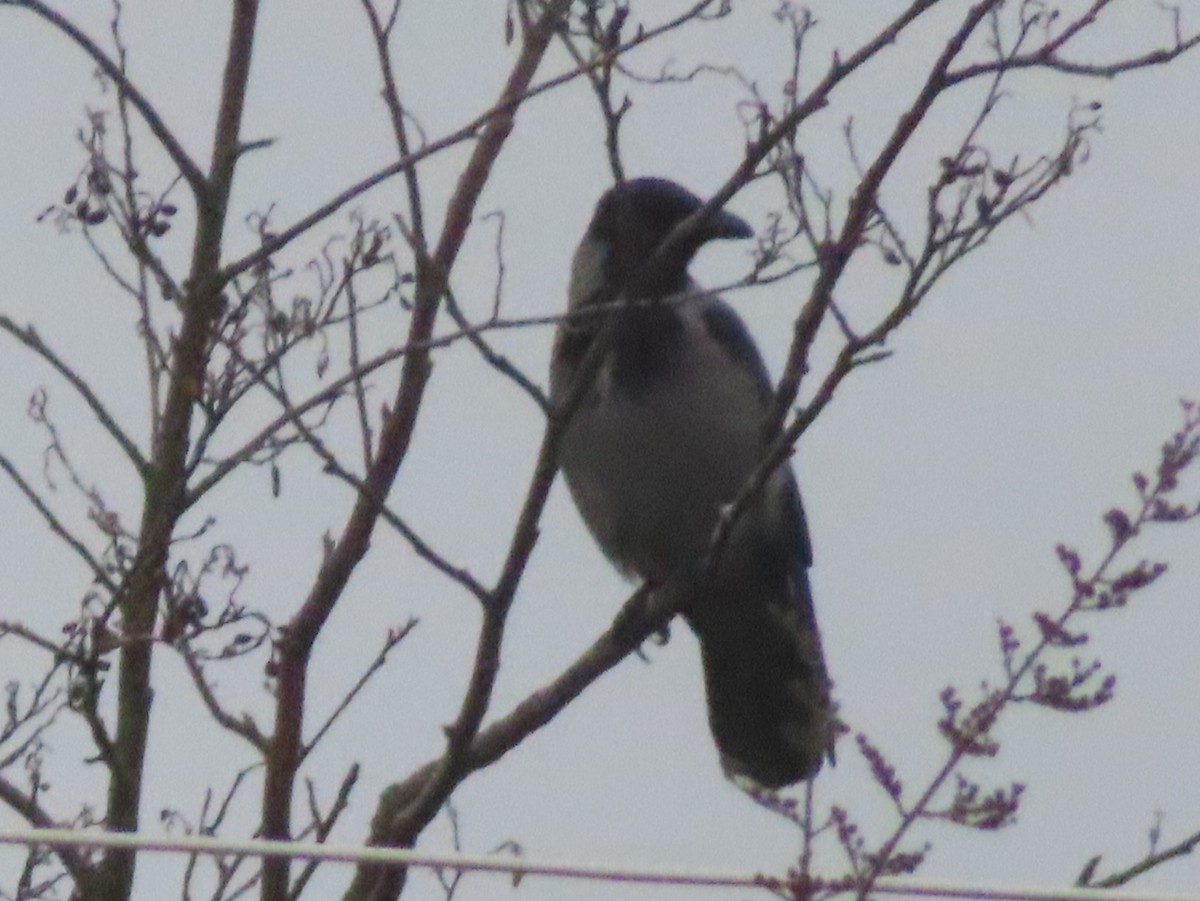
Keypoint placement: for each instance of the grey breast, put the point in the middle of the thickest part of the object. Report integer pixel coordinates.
(651, 470)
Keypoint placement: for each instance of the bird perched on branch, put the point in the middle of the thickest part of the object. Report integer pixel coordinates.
(668, 433)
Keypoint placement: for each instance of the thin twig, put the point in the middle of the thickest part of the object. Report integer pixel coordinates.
(190, 171)
(34, 342)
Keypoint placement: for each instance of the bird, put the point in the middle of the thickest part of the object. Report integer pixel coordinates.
(658, 445)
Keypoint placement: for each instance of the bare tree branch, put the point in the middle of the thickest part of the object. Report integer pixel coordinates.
(99, 571)
(34, 342)
(190, 171)
(431, 280)
(77, 862)
(165, 489)
(1149, 862)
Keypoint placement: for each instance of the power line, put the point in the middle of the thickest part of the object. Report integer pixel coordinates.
(404, 856)
(519, 866)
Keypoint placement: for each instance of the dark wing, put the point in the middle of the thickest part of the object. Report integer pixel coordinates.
(729, 331)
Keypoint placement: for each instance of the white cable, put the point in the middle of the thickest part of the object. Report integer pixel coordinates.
(1016, 893)
(407, 857)
(521, 867)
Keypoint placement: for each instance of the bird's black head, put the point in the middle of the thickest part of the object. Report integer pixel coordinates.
(633, 219)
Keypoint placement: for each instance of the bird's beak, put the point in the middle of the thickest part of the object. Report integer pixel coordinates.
(727, 225)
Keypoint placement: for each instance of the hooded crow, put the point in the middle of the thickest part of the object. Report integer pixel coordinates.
(668, 433)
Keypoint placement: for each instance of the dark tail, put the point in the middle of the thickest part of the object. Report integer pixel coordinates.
(764, 671)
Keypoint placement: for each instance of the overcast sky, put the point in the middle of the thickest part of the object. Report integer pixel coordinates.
(1018, 401)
